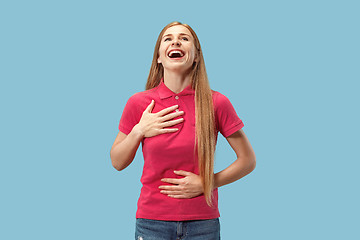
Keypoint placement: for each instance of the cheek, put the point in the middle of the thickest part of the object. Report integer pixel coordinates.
(191, 51)
(162, 51)
(192, 54)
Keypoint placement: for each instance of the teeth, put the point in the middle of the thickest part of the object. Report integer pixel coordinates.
(175, 51)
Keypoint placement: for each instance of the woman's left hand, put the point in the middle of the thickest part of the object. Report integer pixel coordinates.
(188, 187)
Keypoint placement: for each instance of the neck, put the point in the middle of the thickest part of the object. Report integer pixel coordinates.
(176, 82)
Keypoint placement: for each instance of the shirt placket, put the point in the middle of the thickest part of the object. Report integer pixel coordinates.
(177, 97)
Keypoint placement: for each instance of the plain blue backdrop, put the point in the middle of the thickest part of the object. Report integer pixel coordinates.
(290, 68)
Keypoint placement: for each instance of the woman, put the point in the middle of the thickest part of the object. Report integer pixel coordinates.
(177, 120)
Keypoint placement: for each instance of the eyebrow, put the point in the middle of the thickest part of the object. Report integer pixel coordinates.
(179, 34)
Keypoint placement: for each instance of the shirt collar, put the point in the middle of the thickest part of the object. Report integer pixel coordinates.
(165, 92)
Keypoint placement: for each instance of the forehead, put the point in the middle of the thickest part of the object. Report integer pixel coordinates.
(178, 29)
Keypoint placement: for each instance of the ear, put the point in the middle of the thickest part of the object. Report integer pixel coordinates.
(196, 58)
(158, 60)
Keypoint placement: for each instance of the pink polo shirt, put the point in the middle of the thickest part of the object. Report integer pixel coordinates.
(174, 151)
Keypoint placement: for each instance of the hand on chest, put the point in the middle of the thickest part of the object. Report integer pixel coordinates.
(185, 103)
(184, 138)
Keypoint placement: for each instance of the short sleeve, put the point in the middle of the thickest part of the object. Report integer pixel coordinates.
(130, 116)
(227, 120)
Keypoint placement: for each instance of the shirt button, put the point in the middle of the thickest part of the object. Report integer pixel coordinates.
(177, 110)
(176, 97)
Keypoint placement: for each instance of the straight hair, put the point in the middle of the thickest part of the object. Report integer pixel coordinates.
(205, 138)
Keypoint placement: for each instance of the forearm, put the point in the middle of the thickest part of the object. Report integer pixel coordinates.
(238, 169)
(122, 153)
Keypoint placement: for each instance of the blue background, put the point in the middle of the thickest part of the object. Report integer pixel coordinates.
(290, 68)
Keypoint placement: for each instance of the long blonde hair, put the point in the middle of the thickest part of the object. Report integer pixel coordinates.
(204, 110)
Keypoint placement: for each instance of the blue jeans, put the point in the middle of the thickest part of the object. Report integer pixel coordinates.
(147, 229)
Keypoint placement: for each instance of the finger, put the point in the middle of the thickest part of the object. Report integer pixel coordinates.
(168, 130)
(150, 107)
(171, 116)
(171, 180)
(182, 173)
(171, 192)
(169, 187)
(167, 110)
(171, 123)
(177, 196)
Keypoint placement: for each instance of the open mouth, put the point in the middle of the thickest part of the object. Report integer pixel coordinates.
(176, 54)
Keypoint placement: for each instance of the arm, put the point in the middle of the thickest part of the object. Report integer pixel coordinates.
(190, 186)
(123, 151)
(243, 165)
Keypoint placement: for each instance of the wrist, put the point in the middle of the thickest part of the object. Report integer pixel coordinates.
(138, 131)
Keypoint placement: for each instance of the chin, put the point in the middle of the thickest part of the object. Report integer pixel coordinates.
(177, 68)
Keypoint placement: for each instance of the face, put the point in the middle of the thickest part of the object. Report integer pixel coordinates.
(177, 50)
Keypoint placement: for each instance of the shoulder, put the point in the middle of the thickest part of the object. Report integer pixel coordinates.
(140, 100)
(219, 99)
(146, 93)
(226, 117)
(142, 96)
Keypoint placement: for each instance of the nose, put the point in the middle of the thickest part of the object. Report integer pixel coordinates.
(176, 42)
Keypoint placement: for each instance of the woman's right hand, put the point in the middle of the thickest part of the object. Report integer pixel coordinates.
(153, 124)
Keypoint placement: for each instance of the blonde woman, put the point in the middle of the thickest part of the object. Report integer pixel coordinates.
(177, 120)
